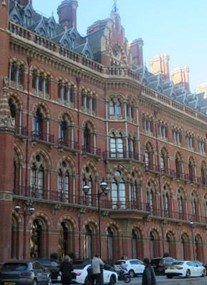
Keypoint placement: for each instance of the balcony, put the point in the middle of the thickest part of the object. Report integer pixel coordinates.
(125, 155)
(68, 144)
(117, 208)
(42, 137)
(90, 150)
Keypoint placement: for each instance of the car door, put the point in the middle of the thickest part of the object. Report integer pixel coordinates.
(136, 266)
(40, 273)
(193, 268)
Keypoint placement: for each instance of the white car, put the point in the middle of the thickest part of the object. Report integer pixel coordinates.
(110, 277)
(133, 266)
(185, 268)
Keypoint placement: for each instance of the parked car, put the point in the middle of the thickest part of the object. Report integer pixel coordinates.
(161, 263)
(21, 272)
(185, 268)
(53, 267)
(134, 267)
(82, 271)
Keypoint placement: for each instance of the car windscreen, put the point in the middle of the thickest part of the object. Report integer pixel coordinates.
(14, 267)
(177, 263)
(119, 262)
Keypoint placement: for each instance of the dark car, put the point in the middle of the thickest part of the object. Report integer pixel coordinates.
(160, 263)
(53, 266)
(22, 272)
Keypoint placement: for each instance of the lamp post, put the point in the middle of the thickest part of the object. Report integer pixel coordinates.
(104, 191)
(27, 210)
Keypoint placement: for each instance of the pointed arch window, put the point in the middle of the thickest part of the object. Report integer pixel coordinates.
(38, 124)
(194, 207)
(191, 169)
(131, 147)
(87, 139)
(116, 146)
(203, 173)
(115, 107)
(37, 178)
(16, 75)
(178, 166)
(65, 132)
(148, 157)
(166, 202)
(118, 191)
(63, 182)
(181, 205)
(41, 84)
(164, 161)
(88, 242)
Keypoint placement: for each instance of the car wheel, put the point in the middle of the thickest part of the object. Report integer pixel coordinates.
(169, 277)
(87, 281)
(188, 274)
(203, 273)
(112, 280)
(131, 273)
(35, 282)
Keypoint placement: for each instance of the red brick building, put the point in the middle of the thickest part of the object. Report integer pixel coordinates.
(75, 110)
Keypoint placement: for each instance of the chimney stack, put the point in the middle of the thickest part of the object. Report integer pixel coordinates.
(160, 65)
(67, 13)
(136, 50)
(181, 75)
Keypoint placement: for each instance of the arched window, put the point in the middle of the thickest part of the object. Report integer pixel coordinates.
(166, 201)
(164, 161)
(178, 166)
(148, 157)
(191, 169)
(116, 145)
(137, 244)
(37, 177)
(151, 198)
(110, 243)
(88, 242)
(64, 182)
(203, 173)
(118, 193)
(38, 126)
(181, 204)
(154, 244)
(115, 107)
(16, 114)
(194, 207)
(65, 132)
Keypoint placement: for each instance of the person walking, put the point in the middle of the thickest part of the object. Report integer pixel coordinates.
(97, 270)
(66, 269)
(148, 276)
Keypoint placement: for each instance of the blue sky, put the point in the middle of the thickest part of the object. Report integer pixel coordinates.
(177, 28)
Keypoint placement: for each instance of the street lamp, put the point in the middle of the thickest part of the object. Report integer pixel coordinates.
(27, 210)
(104, 191)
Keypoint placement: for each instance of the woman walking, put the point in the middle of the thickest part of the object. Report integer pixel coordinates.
(66, 269)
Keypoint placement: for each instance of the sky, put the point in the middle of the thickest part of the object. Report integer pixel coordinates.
(177, 28)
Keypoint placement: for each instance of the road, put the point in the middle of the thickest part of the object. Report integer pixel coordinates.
(162, 280)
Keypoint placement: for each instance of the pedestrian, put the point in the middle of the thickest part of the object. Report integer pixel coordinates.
(97, 270)
(66, 269)
(148, 277)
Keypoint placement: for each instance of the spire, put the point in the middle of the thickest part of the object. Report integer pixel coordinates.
(115, 9)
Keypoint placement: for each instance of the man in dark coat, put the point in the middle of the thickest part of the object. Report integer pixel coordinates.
(66, 269)
(148, 277)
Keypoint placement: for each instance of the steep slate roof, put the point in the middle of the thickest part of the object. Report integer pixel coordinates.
(90, 46)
